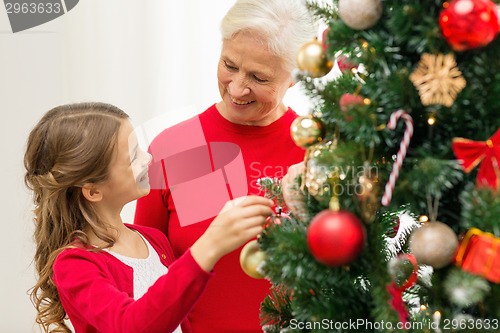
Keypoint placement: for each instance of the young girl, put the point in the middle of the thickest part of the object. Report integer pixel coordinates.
(83, 165)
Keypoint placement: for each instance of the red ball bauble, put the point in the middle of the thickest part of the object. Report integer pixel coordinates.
(335, 238)
(469, 24)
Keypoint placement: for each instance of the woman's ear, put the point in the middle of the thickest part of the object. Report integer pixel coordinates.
(91, 192)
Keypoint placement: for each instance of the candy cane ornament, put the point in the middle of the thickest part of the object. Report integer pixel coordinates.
(403, 148)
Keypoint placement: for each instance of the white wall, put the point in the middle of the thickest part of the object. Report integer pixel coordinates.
(150, 58)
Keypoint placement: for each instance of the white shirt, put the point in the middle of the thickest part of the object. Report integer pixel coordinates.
(146, 271)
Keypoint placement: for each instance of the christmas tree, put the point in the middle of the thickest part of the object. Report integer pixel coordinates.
(393, 219)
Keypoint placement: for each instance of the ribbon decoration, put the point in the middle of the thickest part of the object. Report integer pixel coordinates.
(487, 153)
(396, 290)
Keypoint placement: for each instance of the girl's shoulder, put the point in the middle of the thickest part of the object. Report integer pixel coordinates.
(78, 250)
(87, 260)
(157, 239)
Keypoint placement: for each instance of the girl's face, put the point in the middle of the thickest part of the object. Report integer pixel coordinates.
(252, 82)
(128, 171)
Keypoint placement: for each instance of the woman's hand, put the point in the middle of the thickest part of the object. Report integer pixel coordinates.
(239, 220)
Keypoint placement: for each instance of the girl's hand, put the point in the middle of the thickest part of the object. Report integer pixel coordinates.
(239, 220)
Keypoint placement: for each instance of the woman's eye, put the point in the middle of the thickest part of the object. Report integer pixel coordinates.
(258, 79)
(232, 68)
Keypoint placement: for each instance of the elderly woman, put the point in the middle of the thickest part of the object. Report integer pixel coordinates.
(222, 152)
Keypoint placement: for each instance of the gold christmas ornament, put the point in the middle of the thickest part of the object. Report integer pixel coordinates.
(251, 258)
(434, 244)
(313, 59)
(307, 131)
(360, 14)
(323, 170)
(438, 79)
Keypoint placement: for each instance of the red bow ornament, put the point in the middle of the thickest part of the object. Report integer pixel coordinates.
(487, 153)
(396, 289)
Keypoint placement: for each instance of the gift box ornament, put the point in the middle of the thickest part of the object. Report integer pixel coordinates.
(479, 254)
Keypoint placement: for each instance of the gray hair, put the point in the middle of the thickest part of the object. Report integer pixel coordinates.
(283, 25)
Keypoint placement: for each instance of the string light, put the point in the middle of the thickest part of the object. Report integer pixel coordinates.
(437, 317)
(423, 218)
(432, 119)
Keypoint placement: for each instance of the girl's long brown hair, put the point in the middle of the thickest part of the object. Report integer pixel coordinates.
(70, 146)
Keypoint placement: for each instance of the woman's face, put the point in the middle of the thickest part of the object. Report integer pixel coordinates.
(252, 82)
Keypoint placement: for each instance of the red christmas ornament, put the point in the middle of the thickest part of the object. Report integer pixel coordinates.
(277, 219)
(345, 64)
(335, 238)
(346, 100)
(469, 24)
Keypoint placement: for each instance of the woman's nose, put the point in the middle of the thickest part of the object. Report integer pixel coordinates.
(238, 87)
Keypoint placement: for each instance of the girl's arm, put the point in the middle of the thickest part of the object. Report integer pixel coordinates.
(90, 293)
